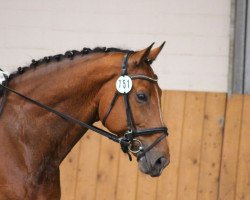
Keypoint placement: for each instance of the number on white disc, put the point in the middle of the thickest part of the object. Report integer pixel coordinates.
(124, 84)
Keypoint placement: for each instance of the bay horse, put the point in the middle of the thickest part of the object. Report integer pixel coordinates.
(57, 100)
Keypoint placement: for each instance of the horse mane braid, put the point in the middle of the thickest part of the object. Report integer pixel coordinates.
(67, 55)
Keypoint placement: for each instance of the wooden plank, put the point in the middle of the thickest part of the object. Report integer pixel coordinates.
(173, 113)
(68, 174)
(146, 187)
(230, 148)
(88, 165)
(127, 178)
(243, 173)
(107, 170)
(211, 146)
(191, 144)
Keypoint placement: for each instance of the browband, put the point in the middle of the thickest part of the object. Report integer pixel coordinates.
(143, 77)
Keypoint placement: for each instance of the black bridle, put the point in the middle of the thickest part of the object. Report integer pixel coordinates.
(129, 137)
(132, 133)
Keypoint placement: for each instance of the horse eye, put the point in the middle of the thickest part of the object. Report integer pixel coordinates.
(142, 97)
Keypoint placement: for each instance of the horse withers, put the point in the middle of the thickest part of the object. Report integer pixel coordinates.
(59, 97)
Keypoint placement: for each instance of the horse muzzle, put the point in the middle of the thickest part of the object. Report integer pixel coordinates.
(153, 163)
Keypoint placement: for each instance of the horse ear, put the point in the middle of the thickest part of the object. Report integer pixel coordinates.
(155, 52)
(140, 56)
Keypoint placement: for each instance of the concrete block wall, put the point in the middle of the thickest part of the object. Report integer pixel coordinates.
(196, 32)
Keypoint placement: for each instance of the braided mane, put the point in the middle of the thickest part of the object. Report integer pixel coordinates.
(59, 57)
(67, 55)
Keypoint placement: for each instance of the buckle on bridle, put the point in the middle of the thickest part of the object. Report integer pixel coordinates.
(128, 135)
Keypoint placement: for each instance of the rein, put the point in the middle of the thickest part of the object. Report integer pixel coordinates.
(129, 137)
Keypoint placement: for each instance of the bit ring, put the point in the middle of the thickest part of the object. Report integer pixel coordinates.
(139, 148)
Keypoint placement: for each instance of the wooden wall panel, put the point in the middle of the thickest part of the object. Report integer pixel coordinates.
(243, 171)
(191, 143)
(211, 146)
(68, 172)
(107, 170)
(147, 187)
(88, 166)
(230, 148)
(208, 160)
(127, 179)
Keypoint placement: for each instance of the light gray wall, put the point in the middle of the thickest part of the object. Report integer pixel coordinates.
(196, 31)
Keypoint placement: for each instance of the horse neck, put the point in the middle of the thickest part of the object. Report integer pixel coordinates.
(69, 86)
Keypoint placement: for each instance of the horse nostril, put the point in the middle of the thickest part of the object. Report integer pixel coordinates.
(161, 162)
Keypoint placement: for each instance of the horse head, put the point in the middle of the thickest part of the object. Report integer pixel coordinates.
(138, 112)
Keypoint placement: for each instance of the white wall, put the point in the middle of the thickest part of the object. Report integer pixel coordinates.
(196, 31)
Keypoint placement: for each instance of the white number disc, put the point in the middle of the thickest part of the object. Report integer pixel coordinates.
(124, 84)
(2, 73)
